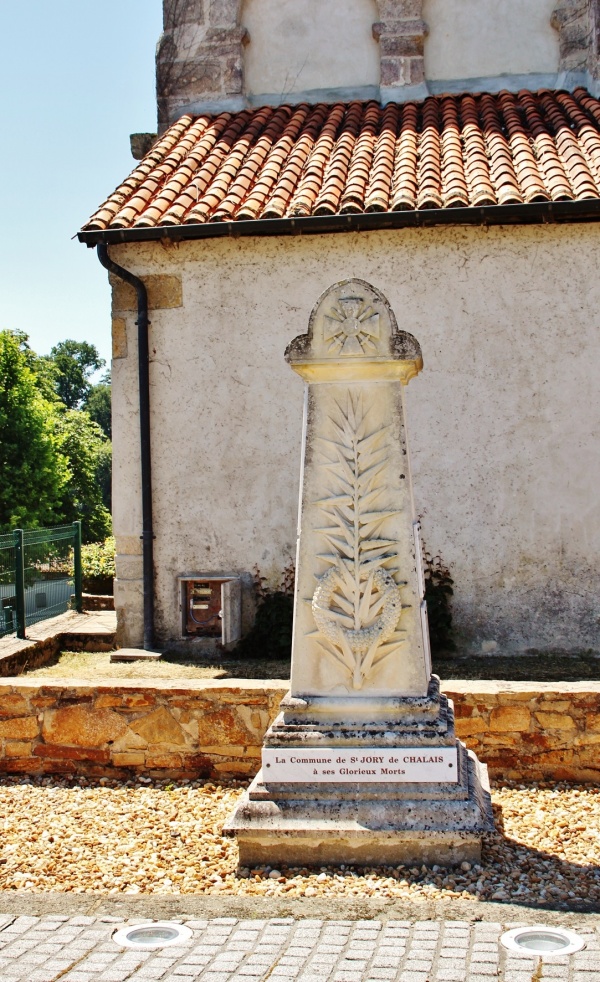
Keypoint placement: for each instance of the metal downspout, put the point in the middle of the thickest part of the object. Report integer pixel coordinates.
(145, 451)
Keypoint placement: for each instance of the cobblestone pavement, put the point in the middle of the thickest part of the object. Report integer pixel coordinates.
(81, 949)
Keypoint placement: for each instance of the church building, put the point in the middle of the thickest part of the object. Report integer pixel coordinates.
(447, 152)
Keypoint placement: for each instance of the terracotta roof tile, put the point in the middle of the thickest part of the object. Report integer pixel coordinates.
(444, 152)
(404, 184)
(382, 168)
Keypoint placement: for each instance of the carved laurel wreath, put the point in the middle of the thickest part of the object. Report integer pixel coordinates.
(356, 604)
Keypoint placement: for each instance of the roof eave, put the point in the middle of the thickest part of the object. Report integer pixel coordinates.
(535, 213)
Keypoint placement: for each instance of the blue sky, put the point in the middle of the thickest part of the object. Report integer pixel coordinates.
(77, 77)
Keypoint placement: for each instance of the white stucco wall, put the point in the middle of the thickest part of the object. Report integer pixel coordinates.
(333, 46)
(503, 421)
(484, 38)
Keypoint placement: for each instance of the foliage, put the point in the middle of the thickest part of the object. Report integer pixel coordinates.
(98, 558)
(97, 566)
(75, 362)
(55, 459)
(33, 470)
(88, 453)
(438, 594)
(98, 406)
(271, 636)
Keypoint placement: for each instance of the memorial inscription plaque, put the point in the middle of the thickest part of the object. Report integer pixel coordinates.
(375, 765)
(362, 765)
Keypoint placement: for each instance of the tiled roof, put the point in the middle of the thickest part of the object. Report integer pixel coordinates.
(300, 161)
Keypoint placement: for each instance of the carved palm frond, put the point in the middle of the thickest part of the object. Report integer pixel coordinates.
(356, 604)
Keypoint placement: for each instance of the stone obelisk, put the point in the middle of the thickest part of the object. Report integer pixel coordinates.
(362, 765)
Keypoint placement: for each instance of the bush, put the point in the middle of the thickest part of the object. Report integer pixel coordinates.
(98, 566)
(438, 594)
(271, 636)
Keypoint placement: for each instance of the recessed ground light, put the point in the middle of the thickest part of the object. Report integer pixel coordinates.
(542, 940)
(147, 937)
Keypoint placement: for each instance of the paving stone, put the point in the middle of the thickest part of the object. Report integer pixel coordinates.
(450, 975)
(149, 972)
(386, 961)
(260, 960)
(49, 973)
(246, 950)
(583, 959)
(239, 946)
(115, 975)
(457, 963)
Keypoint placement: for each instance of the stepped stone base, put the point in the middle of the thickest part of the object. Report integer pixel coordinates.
(358, 823)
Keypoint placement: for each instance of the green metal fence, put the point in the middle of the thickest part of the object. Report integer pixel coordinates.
(40, 573)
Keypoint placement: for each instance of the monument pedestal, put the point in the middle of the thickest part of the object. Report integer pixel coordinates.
(362, 766)
(331, 813)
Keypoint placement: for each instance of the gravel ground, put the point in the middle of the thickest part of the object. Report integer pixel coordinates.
(158, 838)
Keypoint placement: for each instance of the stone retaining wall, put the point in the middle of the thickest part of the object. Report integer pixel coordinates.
(214, 728)
(185, 729)
(98, 601)
(27, 655)
(531, 730)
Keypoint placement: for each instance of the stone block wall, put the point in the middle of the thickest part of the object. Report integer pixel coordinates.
(24, 656)
(531, 730)
(206, 728)
(523, 731)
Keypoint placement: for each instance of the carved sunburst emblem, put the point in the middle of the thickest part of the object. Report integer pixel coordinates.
(352, 327)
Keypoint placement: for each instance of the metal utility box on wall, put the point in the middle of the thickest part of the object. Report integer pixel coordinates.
(212, 606)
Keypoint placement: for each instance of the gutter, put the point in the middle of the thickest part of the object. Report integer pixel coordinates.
(535, 213)
(145, 450)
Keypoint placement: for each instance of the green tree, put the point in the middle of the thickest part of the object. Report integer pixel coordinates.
(88, 453)
(75, 362)
(33, 470)
(98, 405)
